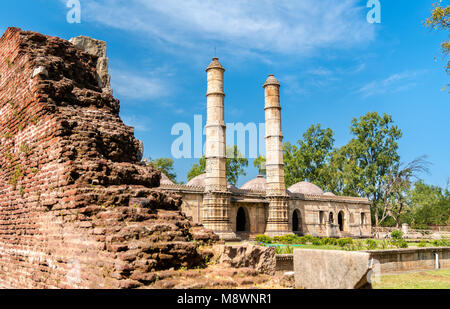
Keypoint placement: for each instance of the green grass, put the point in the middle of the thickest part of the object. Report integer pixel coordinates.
(439, 279)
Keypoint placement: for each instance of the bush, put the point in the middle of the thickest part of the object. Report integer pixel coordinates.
(308, 238)
(302, 240)
(397, 234)
(441, 243)
(344, 241)
(263, 239)
(284, 250)
(422, 243)
(371, 244)
(316, 241)
(400, 243)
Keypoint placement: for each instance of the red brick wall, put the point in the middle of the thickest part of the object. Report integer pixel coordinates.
(77, 209)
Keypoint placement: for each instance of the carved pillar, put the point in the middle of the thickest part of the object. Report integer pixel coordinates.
(216, 202)
(278, 216)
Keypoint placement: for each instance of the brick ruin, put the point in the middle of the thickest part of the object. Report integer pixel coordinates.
(77, 208)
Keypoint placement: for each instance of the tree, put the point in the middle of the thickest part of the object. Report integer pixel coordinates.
(165, 165)
(369, 159)
(398, 186)
(260, 163)
(308, 160)
(430, 205)
(235, 166)
(440, 20)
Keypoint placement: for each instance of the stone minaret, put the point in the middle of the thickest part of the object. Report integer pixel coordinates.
(278, 220)
(215, 129)
(216, 203)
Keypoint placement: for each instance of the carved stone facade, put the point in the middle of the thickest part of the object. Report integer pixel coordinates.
(262, 206)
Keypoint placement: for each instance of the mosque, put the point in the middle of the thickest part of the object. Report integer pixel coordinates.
(262, 205)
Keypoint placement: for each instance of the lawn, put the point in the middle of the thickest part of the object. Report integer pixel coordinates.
(439, 279)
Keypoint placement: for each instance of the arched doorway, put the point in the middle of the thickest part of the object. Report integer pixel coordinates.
(296, 221)
(241, 221)
(341, 219)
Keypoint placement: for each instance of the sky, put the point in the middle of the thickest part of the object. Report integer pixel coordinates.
(332, 63)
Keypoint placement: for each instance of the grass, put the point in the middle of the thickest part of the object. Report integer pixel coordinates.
(439, 279)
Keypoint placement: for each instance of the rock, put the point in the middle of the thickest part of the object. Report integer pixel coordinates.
(96, 48)
(327, 269)
(259, 258)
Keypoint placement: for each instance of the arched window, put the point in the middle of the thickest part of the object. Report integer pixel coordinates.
(341, 218)
(296, 221)
(322, 217)
(241, 221)
(363, 218)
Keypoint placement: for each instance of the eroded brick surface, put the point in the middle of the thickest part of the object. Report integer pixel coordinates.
(77, 209)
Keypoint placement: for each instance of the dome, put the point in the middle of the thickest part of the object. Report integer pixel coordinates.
(165, 180)
(256, 184)
(197, 181)
(200, 180)
(305, 188)
(329, 194)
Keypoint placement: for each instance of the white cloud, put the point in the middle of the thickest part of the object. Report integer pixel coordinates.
(394, 83)
(252, 27)
(140, 123)
(131, 85)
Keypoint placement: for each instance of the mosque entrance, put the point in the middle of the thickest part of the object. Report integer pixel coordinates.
(296, 222)
(341, 221)
(241, 221)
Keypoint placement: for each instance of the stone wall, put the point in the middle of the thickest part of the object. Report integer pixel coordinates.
(77, 209)
(401, 260)
(397, 260)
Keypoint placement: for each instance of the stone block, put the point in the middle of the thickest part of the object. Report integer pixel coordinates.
(327, 269)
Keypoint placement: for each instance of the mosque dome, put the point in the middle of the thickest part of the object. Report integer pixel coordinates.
(200, 181)
(197, 181)
(305, 188)
(165, 180)
(329, 194)
(256, 184)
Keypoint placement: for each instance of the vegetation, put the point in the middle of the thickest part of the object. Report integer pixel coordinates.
(439, 279)
(287, 243)
(236, 164)
(440, 20)
(165, 165)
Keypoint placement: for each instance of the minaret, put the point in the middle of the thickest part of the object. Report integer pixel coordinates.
(215, 129)
(278, 220)
(216, 201)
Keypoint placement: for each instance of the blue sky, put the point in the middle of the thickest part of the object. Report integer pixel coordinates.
(333, 65)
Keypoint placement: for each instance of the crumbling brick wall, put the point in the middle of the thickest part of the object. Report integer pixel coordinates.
(77, 209)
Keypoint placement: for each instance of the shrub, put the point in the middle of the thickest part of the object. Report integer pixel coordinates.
(308, 238)
(325, 241)
(371, 244)
(422, 243)
(344, 241)
(397, 234)
(302, 240)
(400, 243)
(284, 250)
(290, 239)
(263, 239)
(316, 241)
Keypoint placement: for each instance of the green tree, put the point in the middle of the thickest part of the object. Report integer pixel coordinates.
(236, 164)
(165, 165)
(260, 164)
(308, 161)
(430, 205)
(369, 159)
(398, 187)
(440, 20)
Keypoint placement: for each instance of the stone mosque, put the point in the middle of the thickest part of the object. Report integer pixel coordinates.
(262, 205)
